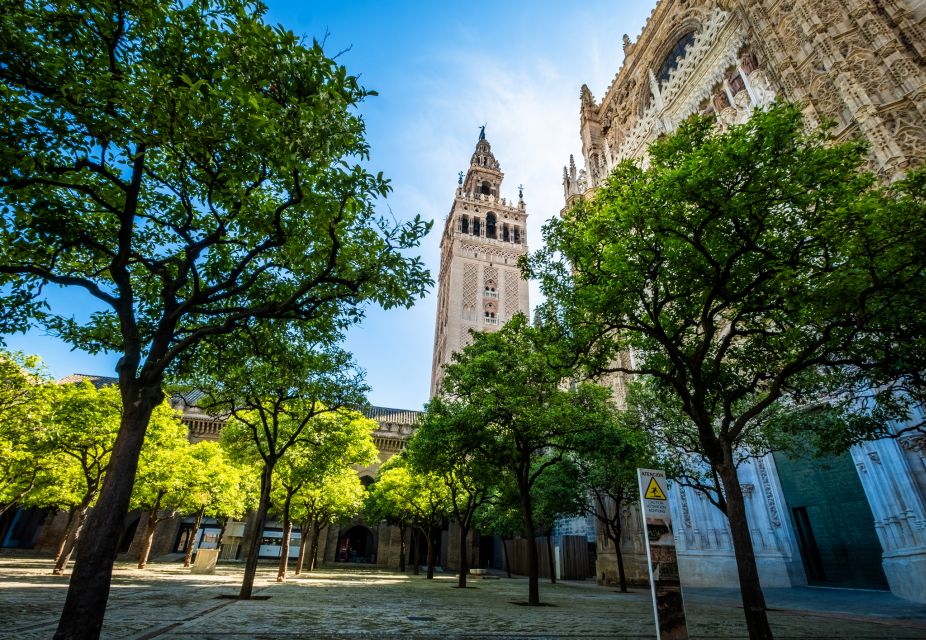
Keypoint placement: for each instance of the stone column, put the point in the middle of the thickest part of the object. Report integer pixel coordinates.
(893, 475)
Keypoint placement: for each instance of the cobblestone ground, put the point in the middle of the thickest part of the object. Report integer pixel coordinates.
(165, 601)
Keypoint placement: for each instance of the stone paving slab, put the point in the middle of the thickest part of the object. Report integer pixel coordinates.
(165, 601)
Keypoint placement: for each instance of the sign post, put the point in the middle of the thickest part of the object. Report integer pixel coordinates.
(668, 606)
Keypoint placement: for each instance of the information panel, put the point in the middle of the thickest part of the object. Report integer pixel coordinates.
(668, 606)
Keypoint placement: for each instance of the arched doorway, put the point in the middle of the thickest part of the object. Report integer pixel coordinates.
(356, 544)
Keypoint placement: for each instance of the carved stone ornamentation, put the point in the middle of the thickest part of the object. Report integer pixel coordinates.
(479, 284)
(686, 513)
(855, 62)
(915, 443)
(766, 481)
(748, 62)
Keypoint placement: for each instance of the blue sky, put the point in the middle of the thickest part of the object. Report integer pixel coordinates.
(441, 70)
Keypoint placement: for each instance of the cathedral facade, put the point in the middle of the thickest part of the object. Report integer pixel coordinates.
(480, 286)
(859, 520)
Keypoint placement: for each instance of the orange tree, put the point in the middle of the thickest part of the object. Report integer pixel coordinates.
(187, 168)
(740, 268)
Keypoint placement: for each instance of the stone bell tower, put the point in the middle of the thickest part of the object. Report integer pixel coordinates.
(479, 284)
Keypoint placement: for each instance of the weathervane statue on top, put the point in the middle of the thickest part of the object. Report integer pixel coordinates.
(482, 131)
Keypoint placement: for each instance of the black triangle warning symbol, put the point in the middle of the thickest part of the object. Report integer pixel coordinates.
(653, 492)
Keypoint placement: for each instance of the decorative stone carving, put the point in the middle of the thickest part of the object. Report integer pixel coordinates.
(853, 61)
(748, 62)
(766, 481)
(469, 285)
(512, 280)
(470, 259)
(686, 513)
(914, 443)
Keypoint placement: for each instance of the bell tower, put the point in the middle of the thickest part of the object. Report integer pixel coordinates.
(479, 284)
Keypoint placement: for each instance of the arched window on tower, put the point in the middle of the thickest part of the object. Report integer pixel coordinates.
(485, 189)
(490, 226)
(506, 236)
(464, 224)
(476, 226)
(517, 235)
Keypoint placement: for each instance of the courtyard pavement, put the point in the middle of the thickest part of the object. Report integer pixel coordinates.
(165, 601)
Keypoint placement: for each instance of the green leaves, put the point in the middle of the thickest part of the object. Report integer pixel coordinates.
(404, 495)
(738, 268)
(25, 457)
(190, 168)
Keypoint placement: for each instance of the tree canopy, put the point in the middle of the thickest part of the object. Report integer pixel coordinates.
(332, 498)
(23, 413)
(520, 416)
(739, 268)
(190, 169)
(441, 447)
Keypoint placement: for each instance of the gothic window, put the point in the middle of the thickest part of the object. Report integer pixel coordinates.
(476, 228)
(675, 55)
(490, 226)
(505, 235)
(464, 224)
(490, 286)
(486, 188)
(517, 235)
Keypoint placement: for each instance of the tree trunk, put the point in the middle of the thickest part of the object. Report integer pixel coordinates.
(750, 589)
(464, 557)
(72, 536)
(551, 558)
(402, 529)
(316, 533)
(88, 591)
(191, 541)
(621, 573)
(612, 528)
(413, 552)
(617, 528)
(507, 560)
(533, 569)
(304, 528)
(429, 540)
(287, 534)
(62, 542)
(150, 527)
(221, 535)
(250, 565)
(68, 540)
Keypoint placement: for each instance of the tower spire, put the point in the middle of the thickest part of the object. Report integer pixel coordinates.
(484, 175)
(480, 285)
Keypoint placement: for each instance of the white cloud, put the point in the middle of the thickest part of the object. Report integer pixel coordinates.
(531, 104)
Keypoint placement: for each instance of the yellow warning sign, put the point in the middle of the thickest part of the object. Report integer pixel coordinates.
(653, 492)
